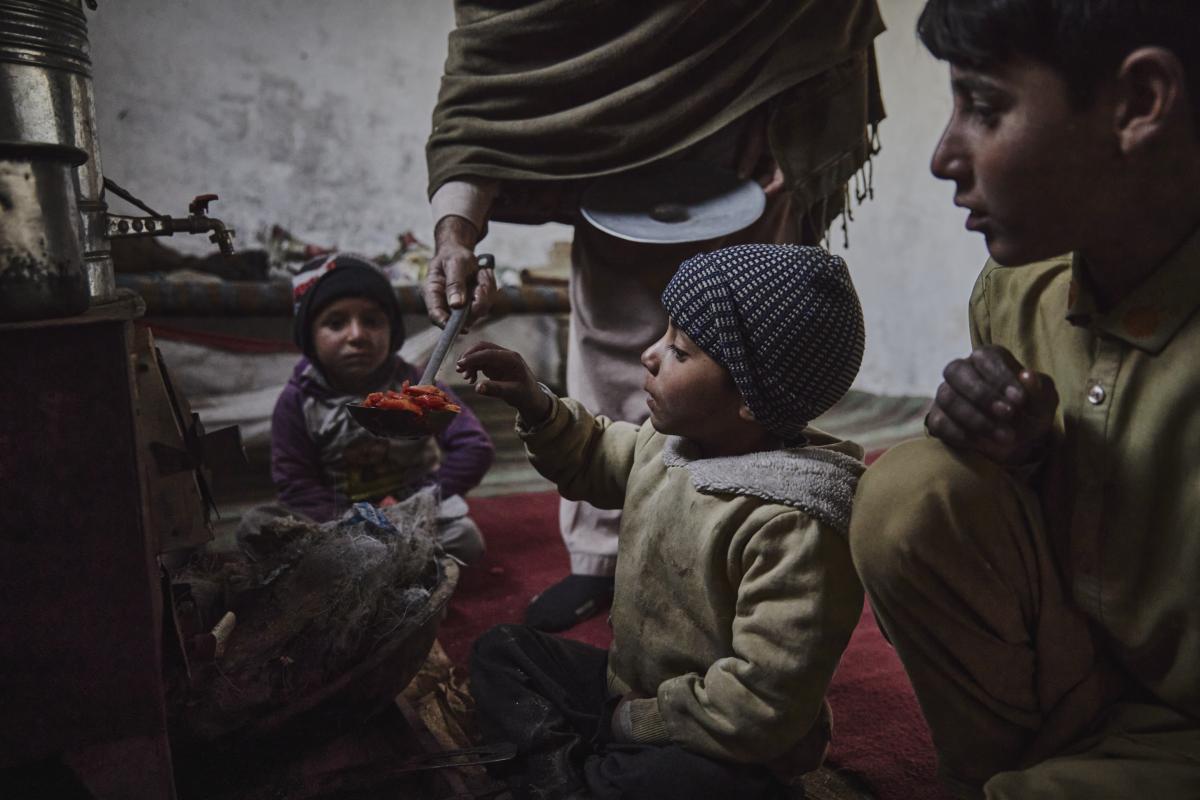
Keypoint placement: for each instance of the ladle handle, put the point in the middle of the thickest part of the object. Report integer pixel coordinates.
(457, 317)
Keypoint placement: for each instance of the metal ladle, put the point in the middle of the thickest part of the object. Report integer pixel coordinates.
(395, 423)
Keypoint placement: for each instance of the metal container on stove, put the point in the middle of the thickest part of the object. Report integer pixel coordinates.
(41, 271)
(46, 98)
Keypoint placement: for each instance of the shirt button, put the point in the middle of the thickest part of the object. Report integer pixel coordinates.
(1096, 394)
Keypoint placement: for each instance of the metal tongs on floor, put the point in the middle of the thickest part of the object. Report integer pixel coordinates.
(393, 423)
(466, 757)
(372, 778)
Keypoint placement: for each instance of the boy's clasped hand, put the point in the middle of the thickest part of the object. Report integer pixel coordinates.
(988, 402)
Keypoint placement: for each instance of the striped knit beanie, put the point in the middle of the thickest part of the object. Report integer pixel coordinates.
(784, 320)
(328, 278)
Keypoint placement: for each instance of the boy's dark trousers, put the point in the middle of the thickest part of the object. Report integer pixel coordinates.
(549, 696)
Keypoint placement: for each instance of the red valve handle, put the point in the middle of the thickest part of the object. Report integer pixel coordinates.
(199, 205)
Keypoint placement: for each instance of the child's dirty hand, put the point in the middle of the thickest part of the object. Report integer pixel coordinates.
(508, 377)
(990, 403)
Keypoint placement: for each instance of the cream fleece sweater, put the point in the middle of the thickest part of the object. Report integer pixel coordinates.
(735, 593)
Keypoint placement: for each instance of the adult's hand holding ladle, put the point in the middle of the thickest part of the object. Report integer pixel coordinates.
(454, 270)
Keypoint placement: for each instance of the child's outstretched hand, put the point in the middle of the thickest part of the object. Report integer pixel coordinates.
(991, 404)
(507, 376)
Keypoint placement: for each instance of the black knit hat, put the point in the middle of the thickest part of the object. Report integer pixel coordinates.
(784, 320)
(329, 278)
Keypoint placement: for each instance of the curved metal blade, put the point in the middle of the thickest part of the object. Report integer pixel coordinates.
(672, 202)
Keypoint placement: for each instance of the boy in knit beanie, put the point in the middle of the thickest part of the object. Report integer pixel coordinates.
(349, 327)
(735, 594)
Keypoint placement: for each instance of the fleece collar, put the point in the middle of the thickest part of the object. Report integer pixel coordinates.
(818, 481)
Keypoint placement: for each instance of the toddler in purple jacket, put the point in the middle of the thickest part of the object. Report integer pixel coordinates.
(349, 327)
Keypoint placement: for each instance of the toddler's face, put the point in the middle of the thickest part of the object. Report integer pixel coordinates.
(689, 394)
(351, 338)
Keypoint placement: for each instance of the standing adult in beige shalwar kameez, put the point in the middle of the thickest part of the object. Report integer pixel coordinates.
(539, 97)
(1036, 562)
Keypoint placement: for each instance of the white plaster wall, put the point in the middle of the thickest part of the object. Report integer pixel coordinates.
(313, 114)
(307, 113)
(912, 261)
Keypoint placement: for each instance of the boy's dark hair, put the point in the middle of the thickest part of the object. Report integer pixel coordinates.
(1084, 40)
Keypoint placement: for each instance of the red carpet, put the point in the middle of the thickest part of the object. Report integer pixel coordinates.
(878, 731)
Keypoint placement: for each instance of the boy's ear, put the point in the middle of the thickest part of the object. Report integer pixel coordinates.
(745, 413)
(1151, 94)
